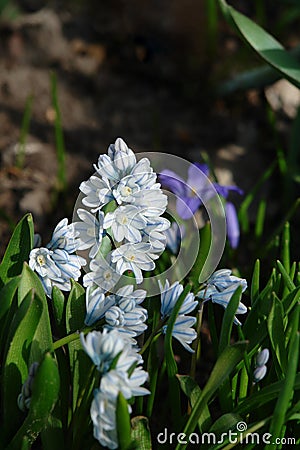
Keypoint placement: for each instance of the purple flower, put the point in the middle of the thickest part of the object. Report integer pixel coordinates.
(233, 229)
(191, 195)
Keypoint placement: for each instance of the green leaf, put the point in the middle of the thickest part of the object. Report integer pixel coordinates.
(255, 282)
(193, 392)
(205, 243)
(29, 280)
(17, 357)
(225, 364)
(17, 250)
(291, 300)
(260, 218)
(228, 319)
(75, 315)
(7, 294)
(44, 397)
(286, 393)
(263, 397)
(285, 250)
(224, 423)
(174, 392)
(276, 332)
(243, 211)
(123, 422)
(264, 44)
(59, 306)
(140, 433)
(289, 284)
(43, 333)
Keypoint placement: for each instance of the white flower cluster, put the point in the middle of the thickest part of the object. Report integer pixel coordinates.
(121, 310)
(125, 202)
(57, 263)
(120, 367)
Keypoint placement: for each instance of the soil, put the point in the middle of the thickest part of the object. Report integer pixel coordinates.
(145, 74)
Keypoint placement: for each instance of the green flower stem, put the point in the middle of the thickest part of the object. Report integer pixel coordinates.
(197, 343)
(152, 335)
(70, 338)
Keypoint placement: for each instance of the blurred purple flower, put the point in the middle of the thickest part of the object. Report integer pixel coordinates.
(233, 229)
(196, 190)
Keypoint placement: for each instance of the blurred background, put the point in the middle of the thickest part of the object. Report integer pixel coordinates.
(164, 76)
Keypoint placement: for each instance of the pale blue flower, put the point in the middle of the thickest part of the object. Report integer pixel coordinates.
(69, 265)
(57, 264)
(134, 257)
(222, 279)
(103, 409)
(154, 201)
(262, 357)
(260, 361)
(116, 381)
(125, 222)
(103, 274)
(220, 287)
(55, 268)
(128, 321)
(144, 176)
(123, 311)
(96, 304)
(118, 163)
(123, 191)
(90, 231)
(259, 373)
(182, 330)
(155, 231)
(103, 347)
(103, 415)
(128, 294)
(97, 192)
(64, 237)
(170, 296)
(126, 376)
(174, 236)
(40, 260)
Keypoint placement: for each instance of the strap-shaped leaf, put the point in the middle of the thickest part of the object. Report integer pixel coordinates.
(264, 44)
(228, 319)
(44, 397)
(59, 306)
(43, 334)
(174, 392)
(15, 369)
(225, 364)
(193, 392)
(286, 393)
(7, 294)
(263, 397)
(276, 332)
(17, 250)
(75, 314)
(123, 423)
